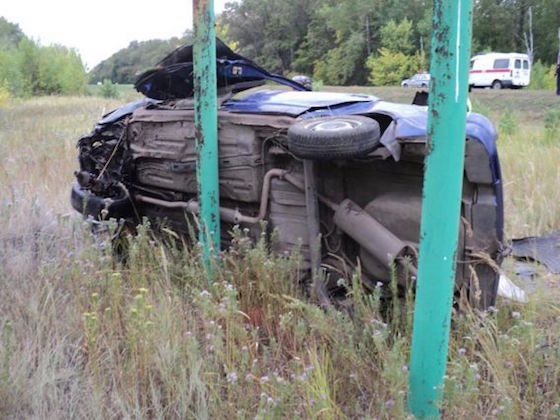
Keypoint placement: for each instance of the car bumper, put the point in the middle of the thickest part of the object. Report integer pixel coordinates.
(100, 208)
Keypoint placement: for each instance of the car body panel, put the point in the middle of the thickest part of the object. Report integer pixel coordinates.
(172, 77)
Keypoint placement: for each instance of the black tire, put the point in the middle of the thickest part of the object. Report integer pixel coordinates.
(496, 84)
(405, 85)
(338, 137)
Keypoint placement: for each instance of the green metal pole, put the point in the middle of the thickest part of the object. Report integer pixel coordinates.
(206, 126)
(451, 35)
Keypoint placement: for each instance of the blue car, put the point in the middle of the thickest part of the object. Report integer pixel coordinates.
(345, 168)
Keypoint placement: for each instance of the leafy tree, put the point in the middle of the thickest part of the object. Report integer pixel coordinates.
(109, 89)
(542, 77)
(27, 68)
(269, 31)
(546, 21)
(390, 67)
(123, 66)
(10, 34)
(11, 77)
(398, 36)
(222, 32)
(343, 65)
(398, 57)
(60, 71)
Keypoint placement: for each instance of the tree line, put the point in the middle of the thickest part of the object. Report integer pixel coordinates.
(350, 42)
(26, 68)
(377, 41)
(123, 66)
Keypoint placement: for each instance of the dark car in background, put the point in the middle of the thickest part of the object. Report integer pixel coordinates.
(347, 166)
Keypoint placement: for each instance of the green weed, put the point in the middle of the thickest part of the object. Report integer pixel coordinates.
(84, 335)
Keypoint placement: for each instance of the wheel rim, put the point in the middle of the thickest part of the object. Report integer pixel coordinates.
(334, 125)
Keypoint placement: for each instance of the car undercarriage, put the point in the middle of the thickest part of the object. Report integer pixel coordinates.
(297, 166)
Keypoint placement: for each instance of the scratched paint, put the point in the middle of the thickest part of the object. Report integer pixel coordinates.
(206, 126)
(439, 230)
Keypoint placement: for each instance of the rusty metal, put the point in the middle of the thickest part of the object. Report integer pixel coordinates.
(228, 214)
(375, 239)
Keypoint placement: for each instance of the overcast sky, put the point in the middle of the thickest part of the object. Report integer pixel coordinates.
(99, 28)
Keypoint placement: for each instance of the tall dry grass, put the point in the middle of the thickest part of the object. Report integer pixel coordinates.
(81, 336)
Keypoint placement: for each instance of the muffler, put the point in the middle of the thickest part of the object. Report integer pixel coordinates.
(390, 254)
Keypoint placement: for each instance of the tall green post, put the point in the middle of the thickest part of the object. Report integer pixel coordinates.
(451, 37)
(206, 126)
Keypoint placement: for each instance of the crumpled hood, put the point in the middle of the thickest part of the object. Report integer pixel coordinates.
(172, 77)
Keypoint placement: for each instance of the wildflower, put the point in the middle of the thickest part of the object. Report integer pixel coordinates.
(389, 403)
(264, 378)
(404, 368)
(204, 293)
(231, 378)
(462, 351)
(516, 315)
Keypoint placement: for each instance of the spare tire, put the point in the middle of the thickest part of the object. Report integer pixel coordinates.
(339, 137)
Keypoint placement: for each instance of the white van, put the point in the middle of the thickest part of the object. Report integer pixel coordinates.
(500, 70)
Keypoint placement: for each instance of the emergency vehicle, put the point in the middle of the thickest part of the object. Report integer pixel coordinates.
(500, 70)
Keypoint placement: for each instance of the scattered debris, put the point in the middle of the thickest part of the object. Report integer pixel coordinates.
(508, 289)
(543, 249)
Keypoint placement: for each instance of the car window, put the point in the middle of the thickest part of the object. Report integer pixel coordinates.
(501, 63)
(472, 64)
(517, 64)
(525, 65)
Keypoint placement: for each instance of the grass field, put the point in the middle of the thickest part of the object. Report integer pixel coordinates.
(83, 337)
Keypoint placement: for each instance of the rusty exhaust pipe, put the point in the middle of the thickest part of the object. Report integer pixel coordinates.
(377, 240)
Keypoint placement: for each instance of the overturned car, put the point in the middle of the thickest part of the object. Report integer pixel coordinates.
(345, 168)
